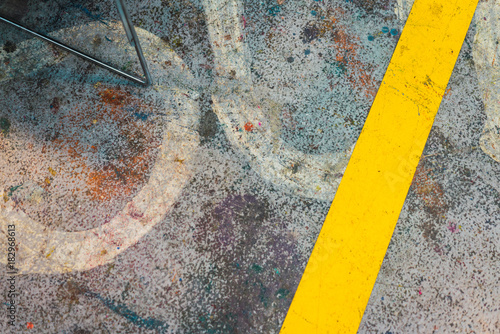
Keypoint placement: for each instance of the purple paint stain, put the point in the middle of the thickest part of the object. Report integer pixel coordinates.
(236, 228)
(452, 227)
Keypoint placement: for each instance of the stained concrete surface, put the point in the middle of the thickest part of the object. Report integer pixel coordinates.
(227, 255)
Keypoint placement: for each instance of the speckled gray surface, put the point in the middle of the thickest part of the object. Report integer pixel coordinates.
(226, 249)
(441, 271)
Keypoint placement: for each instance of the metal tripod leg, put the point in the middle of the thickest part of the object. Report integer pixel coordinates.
(131, 35)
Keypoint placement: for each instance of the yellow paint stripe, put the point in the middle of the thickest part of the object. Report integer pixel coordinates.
(341, 272)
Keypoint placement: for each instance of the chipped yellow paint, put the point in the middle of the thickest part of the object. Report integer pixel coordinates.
(341, 272)
(53, 172)
(50, 253)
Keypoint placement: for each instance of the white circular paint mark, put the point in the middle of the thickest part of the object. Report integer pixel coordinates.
(486, 55)
(252, 124)
(42, 250)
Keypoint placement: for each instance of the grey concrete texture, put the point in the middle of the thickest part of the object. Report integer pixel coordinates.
(240, 138)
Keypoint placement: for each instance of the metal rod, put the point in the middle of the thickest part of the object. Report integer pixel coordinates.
(129, 29)
(145, 82)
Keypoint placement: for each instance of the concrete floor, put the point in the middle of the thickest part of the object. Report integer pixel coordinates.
(227, 250)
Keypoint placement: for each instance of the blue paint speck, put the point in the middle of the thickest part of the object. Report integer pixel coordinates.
(307, 52)
(142, 116)
(394, 32)
(313, 12)
(273, 11)
(124, 311)
(385, 30)
(371, 38)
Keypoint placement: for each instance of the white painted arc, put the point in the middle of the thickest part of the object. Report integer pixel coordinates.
(46, 251)
(318, 176)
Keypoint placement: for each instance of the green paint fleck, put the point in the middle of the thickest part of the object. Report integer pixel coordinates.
(264, 299)
(4, 125)
(282, 293)
(127, 66)
(208, 288)
(12, 189)
(337, 68)
(256, 268)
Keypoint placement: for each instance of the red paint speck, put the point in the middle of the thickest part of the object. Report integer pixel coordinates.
(420, 291)
(29, 325)
(249, 126)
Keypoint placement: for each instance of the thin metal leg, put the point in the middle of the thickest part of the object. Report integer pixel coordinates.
(131, 35)
(133, 39)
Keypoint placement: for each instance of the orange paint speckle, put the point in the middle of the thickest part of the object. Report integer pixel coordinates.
(124, 174)
(114, 96)
(29, 325)
(429, 190)
(249, 126)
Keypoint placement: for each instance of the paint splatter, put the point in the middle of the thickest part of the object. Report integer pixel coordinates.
(4, 125)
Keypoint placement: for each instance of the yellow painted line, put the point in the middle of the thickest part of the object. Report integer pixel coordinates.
(341, 272)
